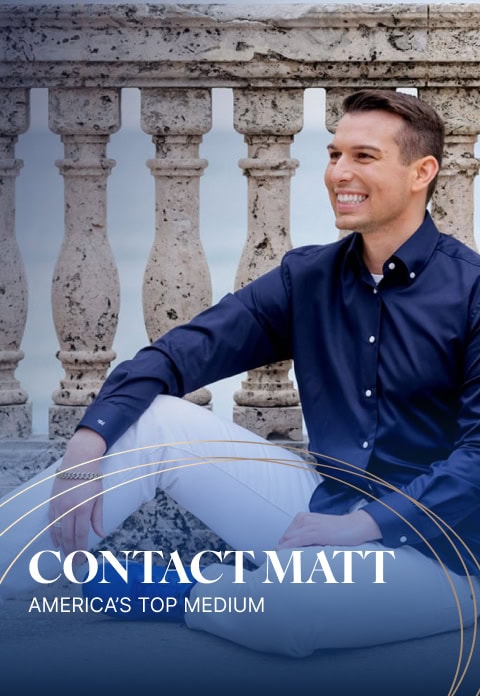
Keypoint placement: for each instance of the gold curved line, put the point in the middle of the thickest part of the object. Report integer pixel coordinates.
(447, 573)
(361, 472)
(392, 487)
(436, 519)
(364, 474)
(277, 460)
(201, 462)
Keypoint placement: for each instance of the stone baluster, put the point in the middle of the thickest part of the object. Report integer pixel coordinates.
(85, 290)
(267, 403)
(15, 412)
(452, 203)
(334, 97)
(177, 279)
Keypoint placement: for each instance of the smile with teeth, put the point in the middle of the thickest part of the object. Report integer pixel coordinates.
(351, 198)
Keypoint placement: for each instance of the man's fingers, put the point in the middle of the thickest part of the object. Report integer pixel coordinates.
(71, 533)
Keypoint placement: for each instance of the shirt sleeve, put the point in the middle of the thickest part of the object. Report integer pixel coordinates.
(442, 498)
(243, 331)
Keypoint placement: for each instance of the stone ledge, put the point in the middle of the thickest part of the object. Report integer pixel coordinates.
(230, 45)
(23, 458)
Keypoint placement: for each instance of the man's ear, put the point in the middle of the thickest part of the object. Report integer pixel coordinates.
(425, 170)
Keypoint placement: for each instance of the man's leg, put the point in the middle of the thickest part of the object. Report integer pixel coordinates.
(416, 600)
(242, 487)
(230, 484)
(249, 501)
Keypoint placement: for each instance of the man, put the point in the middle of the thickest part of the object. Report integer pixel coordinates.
(383, 327)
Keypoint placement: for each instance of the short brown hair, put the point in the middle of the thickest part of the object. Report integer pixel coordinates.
(423, 133)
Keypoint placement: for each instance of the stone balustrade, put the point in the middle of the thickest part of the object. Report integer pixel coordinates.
(175, 54)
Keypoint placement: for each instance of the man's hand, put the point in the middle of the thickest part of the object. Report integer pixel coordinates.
(71, 531)
(316, 529)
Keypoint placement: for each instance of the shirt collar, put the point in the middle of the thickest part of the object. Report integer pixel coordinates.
(407, 262)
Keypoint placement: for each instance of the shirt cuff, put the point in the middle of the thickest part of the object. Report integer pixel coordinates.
(106, 419)
(401, 521)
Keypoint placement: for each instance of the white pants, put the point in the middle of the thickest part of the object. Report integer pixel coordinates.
(247, 491)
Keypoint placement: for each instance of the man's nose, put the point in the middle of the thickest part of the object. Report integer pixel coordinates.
(342, 170)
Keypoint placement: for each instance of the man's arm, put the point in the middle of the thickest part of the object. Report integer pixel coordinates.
(245, 330)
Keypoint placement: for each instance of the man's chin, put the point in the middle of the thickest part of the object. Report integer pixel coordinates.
(344, 224)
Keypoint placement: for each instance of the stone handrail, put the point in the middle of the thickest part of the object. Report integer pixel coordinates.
(175, 55)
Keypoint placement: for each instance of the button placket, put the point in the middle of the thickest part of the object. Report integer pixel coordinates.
(371, 315)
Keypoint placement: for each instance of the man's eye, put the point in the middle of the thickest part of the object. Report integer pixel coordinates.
(334, 156)
(364, 156)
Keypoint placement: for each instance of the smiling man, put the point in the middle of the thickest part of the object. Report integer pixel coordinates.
(384, 330)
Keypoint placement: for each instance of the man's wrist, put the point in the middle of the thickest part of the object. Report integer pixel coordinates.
(84, 451)
(366, 526)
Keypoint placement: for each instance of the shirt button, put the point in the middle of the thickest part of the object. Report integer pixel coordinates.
(365, 444)
(375, 291)
(391, 265)
(371, 339)
(412, 275)
(368, 392)
(403, 539)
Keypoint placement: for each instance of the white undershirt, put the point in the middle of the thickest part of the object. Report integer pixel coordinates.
(377, 277)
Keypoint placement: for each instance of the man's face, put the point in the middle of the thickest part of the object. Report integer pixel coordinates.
(369, 187)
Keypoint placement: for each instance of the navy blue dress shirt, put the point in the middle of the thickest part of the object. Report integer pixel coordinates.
(388, 376)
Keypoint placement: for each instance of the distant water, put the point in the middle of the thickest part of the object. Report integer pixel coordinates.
(131, 228)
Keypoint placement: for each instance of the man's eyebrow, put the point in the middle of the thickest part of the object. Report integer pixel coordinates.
(332, 146)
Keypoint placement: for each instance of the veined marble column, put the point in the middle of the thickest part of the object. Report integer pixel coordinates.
(177, 279)
(15, 412)
(85, 290)
(452, 202)
(267, 403)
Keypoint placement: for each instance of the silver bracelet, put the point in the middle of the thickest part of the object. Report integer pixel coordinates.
(78, 475)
